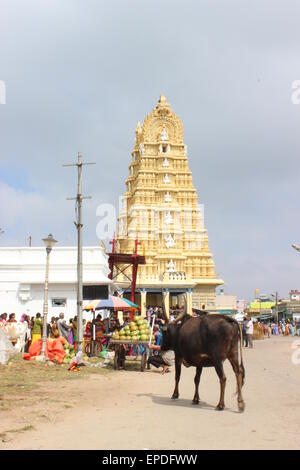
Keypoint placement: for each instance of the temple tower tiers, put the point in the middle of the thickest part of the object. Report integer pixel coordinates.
(161, 206)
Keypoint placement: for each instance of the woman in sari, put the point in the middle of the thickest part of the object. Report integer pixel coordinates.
(100, 326)
(37, 328)
(74, 329)
(70, 338)
(53, 328)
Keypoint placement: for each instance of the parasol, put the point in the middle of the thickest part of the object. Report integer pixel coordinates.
(112, 303)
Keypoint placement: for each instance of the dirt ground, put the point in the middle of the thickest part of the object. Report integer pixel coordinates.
(133, 410)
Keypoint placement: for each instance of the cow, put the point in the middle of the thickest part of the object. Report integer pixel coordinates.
(206, 341)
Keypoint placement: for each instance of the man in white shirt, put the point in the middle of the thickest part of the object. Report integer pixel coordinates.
(249, 332)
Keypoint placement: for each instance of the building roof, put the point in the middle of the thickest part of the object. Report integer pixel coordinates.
(26, 265)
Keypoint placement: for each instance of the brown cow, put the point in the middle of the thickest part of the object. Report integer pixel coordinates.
(206, 341)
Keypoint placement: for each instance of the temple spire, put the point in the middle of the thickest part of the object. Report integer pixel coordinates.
(162, 201)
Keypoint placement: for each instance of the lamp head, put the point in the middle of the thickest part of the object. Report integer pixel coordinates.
(49, 242)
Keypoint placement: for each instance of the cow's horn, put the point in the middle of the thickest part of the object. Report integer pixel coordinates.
(179, 318)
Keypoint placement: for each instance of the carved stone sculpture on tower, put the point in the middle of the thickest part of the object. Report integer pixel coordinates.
(168, 197)
(170, 242)
(164, 134)
(168, 219)
(171, 267)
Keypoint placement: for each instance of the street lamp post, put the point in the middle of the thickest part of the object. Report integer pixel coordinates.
(275, 296)
(296, 247)
(49, 243)
(161, 278)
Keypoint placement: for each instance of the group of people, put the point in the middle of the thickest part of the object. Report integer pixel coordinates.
(35, 324)
(284, 328)
(58, 327)
(267, 328)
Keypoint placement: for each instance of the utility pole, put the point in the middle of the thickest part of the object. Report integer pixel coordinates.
(276, 306)
(79, 198)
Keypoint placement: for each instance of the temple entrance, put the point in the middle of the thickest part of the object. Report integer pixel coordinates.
(174, 298)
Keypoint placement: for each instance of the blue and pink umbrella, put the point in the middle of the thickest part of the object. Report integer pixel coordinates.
(112, 303)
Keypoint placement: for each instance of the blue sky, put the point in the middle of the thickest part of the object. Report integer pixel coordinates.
(79, 75)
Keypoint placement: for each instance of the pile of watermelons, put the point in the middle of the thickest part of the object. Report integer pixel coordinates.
(136, 330)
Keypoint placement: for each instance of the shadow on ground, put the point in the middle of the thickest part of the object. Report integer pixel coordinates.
(183, 403)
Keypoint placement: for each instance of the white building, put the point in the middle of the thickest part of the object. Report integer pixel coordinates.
(22, 277)
(226, 304)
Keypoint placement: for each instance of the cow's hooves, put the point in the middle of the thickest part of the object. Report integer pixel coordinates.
(220, 407)
(195, 402)
(174, 397)
(241, 406)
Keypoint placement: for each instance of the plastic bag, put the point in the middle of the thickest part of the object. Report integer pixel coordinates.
(55, 351)
(36, 348)
(103, 352)
(6, 348)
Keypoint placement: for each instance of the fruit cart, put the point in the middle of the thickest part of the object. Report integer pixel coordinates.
(120, 357)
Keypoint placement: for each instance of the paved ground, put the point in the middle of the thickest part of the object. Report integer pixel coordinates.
(133, 410)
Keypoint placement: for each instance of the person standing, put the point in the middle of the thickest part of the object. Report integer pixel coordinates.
(24, 319)
(74, 329)
(12, 318)
(249, 332)
(37, 328)
(293, 329)
(28, 334)
(63, 328)
(269, 330)
(298, 327)
(287, 329)
(54, 329)
(3, 318)
(158, 335)
(245, 339)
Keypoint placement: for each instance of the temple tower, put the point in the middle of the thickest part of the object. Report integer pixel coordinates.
(160, 206)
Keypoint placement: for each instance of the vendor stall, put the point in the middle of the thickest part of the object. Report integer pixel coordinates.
(97, 334)
(135, 337)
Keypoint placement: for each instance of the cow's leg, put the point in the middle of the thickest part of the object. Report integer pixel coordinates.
(178, 362)
(197, 381)
(222, 378)
(234, 361)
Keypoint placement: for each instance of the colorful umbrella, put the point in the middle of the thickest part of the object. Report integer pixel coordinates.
(131, 304)
(112, 303)
(92, 305)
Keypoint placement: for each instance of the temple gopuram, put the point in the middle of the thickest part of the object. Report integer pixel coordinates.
(160, 209)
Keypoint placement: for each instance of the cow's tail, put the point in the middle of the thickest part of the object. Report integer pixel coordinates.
(241, 355)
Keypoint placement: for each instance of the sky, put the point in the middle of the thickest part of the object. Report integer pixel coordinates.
(80, 74)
